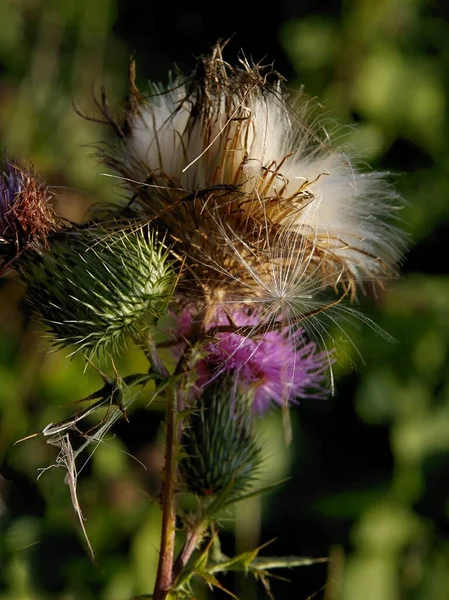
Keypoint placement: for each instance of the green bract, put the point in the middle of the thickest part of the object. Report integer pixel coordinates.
(95, 288)
(219, 443)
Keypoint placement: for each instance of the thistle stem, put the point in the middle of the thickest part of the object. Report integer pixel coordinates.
(165, 567)
(165, 574)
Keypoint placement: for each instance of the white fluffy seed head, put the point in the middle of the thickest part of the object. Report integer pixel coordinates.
(260, 203)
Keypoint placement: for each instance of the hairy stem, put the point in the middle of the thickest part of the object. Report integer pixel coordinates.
(175, 403)
(149, 349)
(165, 567)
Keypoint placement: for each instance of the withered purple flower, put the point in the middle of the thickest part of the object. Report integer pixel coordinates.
(26, 216)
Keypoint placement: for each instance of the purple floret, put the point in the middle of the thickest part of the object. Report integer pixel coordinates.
(276, 367)
(11, 183)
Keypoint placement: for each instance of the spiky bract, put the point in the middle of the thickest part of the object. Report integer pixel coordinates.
(95, 288)
(219, 443)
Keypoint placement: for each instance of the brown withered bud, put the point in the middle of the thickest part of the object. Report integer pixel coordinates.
(26, 215)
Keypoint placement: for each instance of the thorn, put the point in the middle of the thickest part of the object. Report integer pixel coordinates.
(28, 437)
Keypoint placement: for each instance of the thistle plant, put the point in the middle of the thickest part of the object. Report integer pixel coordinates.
(244, 229)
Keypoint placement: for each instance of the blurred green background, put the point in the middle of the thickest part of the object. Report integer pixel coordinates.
(369, 467)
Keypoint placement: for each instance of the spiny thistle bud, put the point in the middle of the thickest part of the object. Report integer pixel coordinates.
(26, 217)
(219, 443)
(95, 288)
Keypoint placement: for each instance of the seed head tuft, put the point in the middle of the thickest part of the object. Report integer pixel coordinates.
(257, 198)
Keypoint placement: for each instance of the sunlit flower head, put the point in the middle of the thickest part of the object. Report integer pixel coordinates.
(258, 200)
(271, 368)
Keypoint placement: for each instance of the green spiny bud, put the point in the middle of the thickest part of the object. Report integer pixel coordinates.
(219, 443)
(95, 288)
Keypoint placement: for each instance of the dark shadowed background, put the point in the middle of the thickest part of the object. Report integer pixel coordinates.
(369, 467)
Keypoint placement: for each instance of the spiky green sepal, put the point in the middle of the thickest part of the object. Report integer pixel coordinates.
(219, 443)
(95, 288)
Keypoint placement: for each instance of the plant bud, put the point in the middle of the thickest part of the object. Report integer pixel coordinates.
(95, 288)
(219, 443)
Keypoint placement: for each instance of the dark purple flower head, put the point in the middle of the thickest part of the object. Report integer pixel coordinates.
(26, 217)
(276, 367)
(11, 184)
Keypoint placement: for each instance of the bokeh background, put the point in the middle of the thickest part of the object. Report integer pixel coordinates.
(369, 467)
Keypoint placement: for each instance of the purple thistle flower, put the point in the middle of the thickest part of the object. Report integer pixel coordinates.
(275, 367)
(11, 184)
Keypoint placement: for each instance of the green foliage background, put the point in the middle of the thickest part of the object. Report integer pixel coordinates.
(369, 483)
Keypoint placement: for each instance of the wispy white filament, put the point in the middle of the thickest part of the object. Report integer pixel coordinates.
(256, 195)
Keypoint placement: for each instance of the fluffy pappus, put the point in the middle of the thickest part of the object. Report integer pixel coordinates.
(259, 204)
